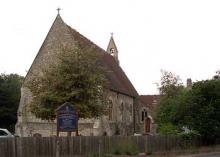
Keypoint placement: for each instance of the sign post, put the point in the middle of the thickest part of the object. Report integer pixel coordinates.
(67, 119)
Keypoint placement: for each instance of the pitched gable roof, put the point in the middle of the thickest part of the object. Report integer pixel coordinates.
(150, 101)
(118, 81)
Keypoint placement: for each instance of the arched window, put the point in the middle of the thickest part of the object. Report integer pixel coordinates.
(131, 112)
(37, 135)
(110, 109)
(143, 114)
(122, 111)
(112, 51)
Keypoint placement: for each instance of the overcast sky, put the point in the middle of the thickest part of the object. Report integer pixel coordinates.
(178, 36)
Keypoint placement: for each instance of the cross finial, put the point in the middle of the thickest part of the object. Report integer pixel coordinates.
(112, 34)
(58, 10)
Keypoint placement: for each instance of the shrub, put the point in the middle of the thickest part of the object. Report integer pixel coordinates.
(168, 129)
(127, 148)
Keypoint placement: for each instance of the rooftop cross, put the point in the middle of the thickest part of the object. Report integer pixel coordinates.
(111, 34)
(58, 10)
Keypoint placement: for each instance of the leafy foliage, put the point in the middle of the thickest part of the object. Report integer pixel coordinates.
(78, 78)
(189, 135)
(168, 129)
(197, 109)
(204, 110)
(170, 87)
(170, 84)
(125, 147)
(9, 99)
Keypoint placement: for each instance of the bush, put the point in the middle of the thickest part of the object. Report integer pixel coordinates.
(131, 150)
(127, 148)
(117, 152)
(168, 129)
(189, 139)
(189, 135)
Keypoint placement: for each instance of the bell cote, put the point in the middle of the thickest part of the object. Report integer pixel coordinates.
(112, 49)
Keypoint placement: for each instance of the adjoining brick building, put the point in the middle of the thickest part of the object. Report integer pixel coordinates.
(147, 112)
(124, 105)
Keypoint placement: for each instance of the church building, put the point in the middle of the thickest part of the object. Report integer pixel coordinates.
(124, 116)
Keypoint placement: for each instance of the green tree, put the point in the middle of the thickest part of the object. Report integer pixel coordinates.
(78, 78)
(197, 109)
(167, 116)
(9, 99)
(203, 113)
(172, 106)
(170, 84)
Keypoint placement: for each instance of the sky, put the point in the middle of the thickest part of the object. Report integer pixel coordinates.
(181, 36)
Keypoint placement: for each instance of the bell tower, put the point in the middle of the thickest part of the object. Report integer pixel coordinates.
(112, 49)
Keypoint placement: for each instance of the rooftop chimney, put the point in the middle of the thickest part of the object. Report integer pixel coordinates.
(189, 83)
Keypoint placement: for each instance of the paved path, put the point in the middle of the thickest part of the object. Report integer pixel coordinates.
(203, 155)
(217, 155)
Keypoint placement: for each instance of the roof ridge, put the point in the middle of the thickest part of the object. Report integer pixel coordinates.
(125, 84)
(72, 29)
(118, 80)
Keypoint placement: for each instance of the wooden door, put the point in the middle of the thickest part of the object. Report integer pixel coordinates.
(147, 124)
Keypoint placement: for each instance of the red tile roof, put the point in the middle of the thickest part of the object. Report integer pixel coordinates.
(150, 100)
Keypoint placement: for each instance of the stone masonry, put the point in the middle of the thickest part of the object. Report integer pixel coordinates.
(121, 92)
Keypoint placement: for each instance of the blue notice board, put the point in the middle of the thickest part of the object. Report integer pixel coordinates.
(67, 118)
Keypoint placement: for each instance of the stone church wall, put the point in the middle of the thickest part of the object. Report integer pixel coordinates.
(122, 119)
(139, 123)
(122, 113)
